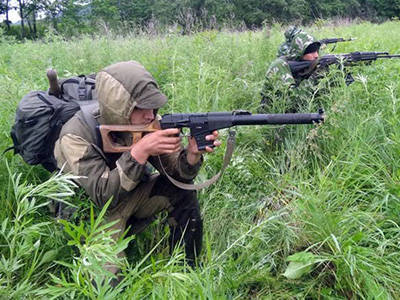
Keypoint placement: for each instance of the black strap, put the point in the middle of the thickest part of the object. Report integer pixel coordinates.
(82, 89)
(8, 149)
(89, 119)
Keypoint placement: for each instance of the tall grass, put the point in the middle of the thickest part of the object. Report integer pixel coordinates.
(312, 216)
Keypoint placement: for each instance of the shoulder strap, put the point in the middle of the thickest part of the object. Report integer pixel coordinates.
(88, 118)
(8, 149)
(82, 88)
(230, 147)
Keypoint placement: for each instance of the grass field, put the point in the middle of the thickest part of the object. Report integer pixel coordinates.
(314, 216)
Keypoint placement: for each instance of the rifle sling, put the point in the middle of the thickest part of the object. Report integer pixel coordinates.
(230, 146)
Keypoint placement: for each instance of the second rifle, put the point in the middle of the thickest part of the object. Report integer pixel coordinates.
(303, 69)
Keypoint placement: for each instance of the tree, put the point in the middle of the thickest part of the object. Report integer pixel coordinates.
(53, 10)
(4, 9)
(105, 10)
(349, 8)
(28, 10)
(21, 6)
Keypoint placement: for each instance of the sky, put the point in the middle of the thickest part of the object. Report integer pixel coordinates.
(13, 15)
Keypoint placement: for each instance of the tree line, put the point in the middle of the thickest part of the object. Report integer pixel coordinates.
(71, 17)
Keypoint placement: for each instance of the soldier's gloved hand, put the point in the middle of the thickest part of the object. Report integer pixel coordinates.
(194, 155)
(156, 143)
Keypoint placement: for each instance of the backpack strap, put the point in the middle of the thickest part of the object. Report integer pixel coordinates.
(8, 149)
(82, 89)
(91, 122)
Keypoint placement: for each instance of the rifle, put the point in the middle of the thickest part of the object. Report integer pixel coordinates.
(283, 49)
(335, 40)
(325, 42)
(203, 124)
(303, 69)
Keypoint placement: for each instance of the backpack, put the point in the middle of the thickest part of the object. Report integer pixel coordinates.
(79, 88)
(40, 116)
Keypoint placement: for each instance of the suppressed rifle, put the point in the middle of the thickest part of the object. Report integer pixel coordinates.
(284, 48)
(335, 40)
(303, 69)
(201, 125)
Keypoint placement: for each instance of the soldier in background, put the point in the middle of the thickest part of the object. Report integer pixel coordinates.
(289, 34)
(281, 90)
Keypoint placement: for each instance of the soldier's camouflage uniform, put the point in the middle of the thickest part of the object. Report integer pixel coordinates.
(136, 195)
(281, 91)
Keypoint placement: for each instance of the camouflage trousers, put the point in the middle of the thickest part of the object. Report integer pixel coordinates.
(138, 209)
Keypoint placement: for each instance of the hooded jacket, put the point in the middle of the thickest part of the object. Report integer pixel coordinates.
(289, 34)
(120, 88)
(296, 41)
(280, 87)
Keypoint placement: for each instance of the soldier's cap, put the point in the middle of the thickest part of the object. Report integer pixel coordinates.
(313, 47)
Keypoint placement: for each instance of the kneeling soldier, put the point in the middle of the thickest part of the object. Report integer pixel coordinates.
(128, 94)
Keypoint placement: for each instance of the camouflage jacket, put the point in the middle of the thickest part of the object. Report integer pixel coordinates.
(120, 88)
(281, 91)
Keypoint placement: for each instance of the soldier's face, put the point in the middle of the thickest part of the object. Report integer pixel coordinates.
(310, 56)
(142, 116)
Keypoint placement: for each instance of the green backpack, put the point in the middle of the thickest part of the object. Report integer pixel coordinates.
(40, 116)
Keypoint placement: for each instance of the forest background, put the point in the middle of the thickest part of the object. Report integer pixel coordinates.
(71, 17)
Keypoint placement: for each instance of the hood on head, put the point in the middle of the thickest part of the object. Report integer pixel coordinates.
(123, 86)
(289, 35)
(299, 43)
(291, 32)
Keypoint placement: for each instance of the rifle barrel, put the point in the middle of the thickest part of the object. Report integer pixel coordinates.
(278, 119)
(335, 40)
(389, 56)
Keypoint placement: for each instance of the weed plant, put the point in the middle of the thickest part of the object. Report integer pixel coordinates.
(314, 214)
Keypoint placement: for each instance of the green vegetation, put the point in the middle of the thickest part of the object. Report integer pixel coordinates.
(314, 216)
(73, 17)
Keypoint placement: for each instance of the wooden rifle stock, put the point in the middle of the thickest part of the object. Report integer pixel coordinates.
(137, 132)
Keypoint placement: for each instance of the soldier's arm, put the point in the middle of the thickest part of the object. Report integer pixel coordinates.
(84, 159)
(281, 92)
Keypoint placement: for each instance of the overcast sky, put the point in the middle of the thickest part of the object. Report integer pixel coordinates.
(13, 15)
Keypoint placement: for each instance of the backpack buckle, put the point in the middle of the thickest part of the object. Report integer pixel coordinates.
(82, 93)
(82, 89)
